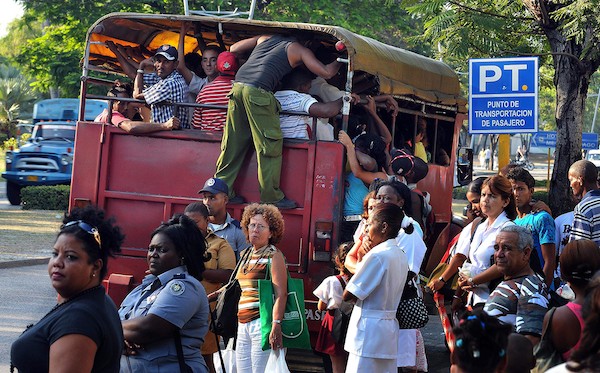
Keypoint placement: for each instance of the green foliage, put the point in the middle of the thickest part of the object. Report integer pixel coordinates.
(54, 58)
(7, 144)
(382, 20)
(541, 196)
(24, 137)
(16, 98)
(459, 192)
(45, 197)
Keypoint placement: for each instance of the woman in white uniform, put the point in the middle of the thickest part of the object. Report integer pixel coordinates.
(498, 204)
(377, 288)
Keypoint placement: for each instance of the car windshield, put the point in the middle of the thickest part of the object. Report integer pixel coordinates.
(51, 131)
(594, 157)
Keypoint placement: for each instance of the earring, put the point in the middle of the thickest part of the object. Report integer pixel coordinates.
(93, 274)
(182, 260)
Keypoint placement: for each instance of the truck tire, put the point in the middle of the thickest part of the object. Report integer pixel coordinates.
(13, 192)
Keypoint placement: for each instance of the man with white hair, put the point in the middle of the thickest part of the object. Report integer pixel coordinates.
(521, 299)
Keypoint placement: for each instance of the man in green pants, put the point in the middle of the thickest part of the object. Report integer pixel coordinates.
(253, 112)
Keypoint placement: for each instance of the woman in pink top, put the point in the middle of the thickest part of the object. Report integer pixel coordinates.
(578, 262)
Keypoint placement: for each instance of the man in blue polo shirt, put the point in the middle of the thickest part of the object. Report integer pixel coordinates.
(539, 223)
(583, 177)
(215, 196)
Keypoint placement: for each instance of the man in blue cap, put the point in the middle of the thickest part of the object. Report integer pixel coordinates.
(165, 86)
(216, 196)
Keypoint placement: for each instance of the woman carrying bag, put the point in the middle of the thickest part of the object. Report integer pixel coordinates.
(263, 226)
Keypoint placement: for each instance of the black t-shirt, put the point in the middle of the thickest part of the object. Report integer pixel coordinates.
(93, 315)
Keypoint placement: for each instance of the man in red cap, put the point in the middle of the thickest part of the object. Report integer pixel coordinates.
(215, 93)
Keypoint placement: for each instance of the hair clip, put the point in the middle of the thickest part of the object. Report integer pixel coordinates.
(502, 353)
(459, 343)
(473, 317)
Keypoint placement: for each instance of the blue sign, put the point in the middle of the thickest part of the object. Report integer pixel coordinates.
(543, 139)
(503, 95)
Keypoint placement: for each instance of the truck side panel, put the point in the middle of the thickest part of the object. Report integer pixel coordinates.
(143, 180)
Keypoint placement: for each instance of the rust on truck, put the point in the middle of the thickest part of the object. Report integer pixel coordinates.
(143, 180)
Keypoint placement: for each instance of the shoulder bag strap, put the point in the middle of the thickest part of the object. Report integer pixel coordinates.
(341, 280)
(547, 332)
(243, 259)
(182, 366)
(476, 223)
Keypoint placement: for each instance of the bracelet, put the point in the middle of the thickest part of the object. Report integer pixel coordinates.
(140, 71)
(276, 321)
(442, 279)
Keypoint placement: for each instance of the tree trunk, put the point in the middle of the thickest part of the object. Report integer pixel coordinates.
(572, 79)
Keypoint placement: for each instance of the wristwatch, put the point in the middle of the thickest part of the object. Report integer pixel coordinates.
(470, 281)
(277, 321)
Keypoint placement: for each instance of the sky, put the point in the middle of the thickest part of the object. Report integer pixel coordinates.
(10, 11)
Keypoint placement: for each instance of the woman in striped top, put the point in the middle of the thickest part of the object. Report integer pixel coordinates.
(263, 226)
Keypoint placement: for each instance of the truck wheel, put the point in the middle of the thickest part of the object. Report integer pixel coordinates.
(13, 192)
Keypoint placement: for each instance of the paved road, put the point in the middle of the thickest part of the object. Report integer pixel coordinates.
(26, 296)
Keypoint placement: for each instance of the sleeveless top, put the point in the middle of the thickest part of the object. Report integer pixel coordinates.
(576, 309)
(267, 64)
(254, 269)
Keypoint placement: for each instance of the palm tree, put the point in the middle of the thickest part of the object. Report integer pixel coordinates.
(16, 99)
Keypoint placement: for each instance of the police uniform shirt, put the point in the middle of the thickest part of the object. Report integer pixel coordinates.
(179, 299)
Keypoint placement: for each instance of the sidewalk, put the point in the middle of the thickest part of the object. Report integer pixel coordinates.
(14, 251)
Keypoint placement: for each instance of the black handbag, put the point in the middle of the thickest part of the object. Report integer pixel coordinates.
(341, 319)
(224, 319)
(411, 313)
(545, 353)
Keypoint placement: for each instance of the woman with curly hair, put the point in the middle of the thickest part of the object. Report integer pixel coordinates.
(82, 333)
(263, 226)
(169, 310)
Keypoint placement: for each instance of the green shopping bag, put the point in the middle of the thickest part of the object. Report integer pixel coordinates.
(294, 329)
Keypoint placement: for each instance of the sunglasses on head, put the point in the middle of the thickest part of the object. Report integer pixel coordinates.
(85, 227)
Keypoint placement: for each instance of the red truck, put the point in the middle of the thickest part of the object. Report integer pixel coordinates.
(143, 180)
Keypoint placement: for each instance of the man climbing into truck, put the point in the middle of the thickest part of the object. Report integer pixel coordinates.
(253, 112)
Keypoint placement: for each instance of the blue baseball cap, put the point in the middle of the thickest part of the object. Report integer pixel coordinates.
(215, 185)
(167, 51)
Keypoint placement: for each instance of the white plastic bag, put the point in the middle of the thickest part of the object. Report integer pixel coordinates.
(276, 362)
(228, 359)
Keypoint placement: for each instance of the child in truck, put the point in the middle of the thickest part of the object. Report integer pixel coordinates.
(330, 297)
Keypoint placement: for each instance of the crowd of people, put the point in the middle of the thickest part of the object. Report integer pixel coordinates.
(504, 261)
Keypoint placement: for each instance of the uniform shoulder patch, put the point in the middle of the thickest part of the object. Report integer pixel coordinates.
(176, 287)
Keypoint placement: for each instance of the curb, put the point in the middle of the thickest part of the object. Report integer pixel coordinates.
(23, 263)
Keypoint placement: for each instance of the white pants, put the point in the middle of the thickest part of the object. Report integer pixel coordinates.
(250, 357)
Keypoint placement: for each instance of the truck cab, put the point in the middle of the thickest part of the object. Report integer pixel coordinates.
(143, 180)
(47, 157)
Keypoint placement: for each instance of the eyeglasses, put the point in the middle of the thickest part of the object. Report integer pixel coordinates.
(86, 227)
(259, 227)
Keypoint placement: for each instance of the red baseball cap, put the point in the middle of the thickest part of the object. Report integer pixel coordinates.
(227, 63)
